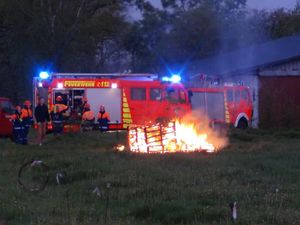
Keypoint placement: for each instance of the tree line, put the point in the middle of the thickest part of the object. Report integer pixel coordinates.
(102, 35)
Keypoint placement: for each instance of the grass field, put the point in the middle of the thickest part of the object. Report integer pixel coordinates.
(259, 169)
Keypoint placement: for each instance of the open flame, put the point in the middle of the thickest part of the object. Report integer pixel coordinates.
(190, 139)
(174, 136)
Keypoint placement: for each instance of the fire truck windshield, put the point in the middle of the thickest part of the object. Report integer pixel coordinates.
(155, 94)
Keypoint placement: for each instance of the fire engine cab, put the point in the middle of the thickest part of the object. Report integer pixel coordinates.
(226, 104)
(128, 98)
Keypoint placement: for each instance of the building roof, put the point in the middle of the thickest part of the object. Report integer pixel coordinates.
(249, 58)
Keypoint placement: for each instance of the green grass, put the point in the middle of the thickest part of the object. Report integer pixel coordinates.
(259, 169)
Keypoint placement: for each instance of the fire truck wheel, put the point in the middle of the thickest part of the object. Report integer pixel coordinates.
(242, 124)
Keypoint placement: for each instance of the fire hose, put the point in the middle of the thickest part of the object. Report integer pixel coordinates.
(43, 178)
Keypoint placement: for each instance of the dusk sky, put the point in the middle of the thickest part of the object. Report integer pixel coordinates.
(259, 4)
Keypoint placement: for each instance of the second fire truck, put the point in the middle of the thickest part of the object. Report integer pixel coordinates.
(227, 103)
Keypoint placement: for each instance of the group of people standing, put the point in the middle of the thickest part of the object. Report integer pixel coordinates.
(22, 119)
(88, 117)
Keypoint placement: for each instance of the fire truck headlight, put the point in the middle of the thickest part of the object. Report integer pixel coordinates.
(114, 85)
(175, 78)
(60, 85)
(44, 75)
(40, 84)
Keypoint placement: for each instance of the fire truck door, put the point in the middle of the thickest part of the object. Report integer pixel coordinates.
(156, 106)
(215, 106)
(109, 97)
(174, 108)
(138, 105)
(231, 104)
(246, 104)
(237, 102)
(198, 102)
(209, 103)
(183, 103)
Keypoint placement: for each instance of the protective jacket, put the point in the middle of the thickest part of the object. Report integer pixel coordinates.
(88, 115)
(41, 113)
(18, 128)
(57, 122)
(26, 115)
(103, 119)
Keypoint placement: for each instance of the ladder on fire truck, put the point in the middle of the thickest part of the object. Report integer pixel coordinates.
(203, 81)
(206, 81)
(126, 76)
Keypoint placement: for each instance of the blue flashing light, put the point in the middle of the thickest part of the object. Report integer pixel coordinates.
(175, 78)
(165, 79)
(44, 75)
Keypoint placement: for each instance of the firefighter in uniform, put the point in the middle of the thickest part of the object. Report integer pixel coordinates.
(61, 106)
(82, 107)
(26, 115)
(88, 118)
(18, 126)
(103, 119)
(57, 121)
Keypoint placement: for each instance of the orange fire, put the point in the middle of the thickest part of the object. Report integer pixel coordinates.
(171, 137)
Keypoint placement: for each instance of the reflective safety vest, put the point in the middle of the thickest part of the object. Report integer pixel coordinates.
(103, 119)
(88, 115)
(61, 107)
(26, 113)
(17, 122)
(26, 116)
(57, 118)
(104, 115)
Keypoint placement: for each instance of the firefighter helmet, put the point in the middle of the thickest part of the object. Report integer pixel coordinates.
(27, 103)
(59, 98)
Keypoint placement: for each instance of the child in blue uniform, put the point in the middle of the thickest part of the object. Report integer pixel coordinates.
(18, 126)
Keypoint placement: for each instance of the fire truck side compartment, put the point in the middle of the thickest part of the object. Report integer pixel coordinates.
(212, 104)
(110, 98)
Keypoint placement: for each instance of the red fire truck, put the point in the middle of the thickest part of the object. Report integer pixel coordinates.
(6, 109)
(225, 104)
(129, 98)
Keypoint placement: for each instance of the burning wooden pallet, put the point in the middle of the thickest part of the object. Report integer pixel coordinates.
(165, 138)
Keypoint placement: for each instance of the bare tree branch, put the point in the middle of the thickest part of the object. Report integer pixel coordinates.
(59, 8)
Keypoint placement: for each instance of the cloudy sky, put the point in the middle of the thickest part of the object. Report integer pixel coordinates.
(258, 4)
(271, 4)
